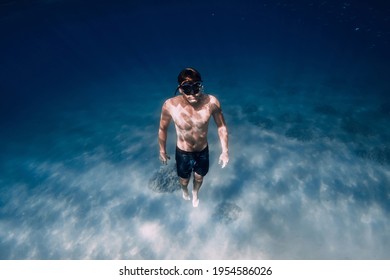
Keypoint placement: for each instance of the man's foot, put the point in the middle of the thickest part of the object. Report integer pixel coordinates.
(186, 196)
(195, 199)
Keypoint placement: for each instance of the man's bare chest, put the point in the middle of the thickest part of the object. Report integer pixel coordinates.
(187, 118)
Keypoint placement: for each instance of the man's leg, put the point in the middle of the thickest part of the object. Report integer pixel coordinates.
(184, 187)
(198, 180)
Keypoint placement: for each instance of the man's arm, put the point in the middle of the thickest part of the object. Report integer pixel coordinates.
(222, 133)
(163, 133)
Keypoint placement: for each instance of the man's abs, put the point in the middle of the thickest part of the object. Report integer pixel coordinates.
(191, 144)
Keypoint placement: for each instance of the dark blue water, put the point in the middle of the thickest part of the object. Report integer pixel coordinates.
(305, 91)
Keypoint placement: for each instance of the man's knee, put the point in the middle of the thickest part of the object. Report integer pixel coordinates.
(198, 178)
(184, 181)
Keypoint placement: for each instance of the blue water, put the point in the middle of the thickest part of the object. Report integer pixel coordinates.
(305, 92)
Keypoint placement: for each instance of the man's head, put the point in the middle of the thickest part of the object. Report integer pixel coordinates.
(190, 84)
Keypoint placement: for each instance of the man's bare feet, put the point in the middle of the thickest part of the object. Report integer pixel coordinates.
(186, 195)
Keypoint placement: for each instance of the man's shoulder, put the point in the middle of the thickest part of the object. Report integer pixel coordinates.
(213, 100)
(173, 101)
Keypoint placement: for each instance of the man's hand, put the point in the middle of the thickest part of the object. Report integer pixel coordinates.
(223, 159)
(164, 158)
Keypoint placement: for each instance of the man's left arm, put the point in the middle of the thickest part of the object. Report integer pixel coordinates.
(222, 133)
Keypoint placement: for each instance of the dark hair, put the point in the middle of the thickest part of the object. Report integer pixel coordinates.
(189, 74)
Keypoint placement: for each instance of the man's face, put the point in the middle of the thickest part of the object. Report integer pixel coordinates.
(192, 99)
(191, 91)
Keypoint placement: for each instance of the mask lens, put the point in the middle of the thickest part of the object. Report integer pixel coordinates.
(196, 87)
(187, 88)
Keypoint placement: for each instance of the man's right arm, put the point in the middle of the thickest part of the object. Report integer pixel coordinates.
(163, 133)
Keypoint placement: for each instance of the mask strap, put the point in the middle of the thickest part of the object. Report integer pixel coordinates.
(176, 90)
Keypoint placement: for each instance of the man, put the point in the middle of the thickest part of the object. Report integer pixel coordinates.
(191, 112)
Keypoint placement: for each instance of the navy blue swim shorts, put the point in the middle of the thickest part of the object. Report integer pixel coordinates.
(186, 162)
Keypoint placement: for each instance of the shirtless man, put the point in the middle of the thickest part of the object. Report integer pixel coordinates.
(191, 112)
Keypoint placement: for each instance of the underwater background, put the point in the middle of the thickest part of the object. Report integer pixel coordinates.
(305, 90)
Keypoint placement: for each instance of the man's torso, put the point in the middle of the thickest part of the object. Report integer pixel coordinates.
(191, 122)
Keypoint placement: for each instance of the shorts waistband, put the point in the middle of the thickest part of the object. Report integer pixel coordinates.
(193, 152)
